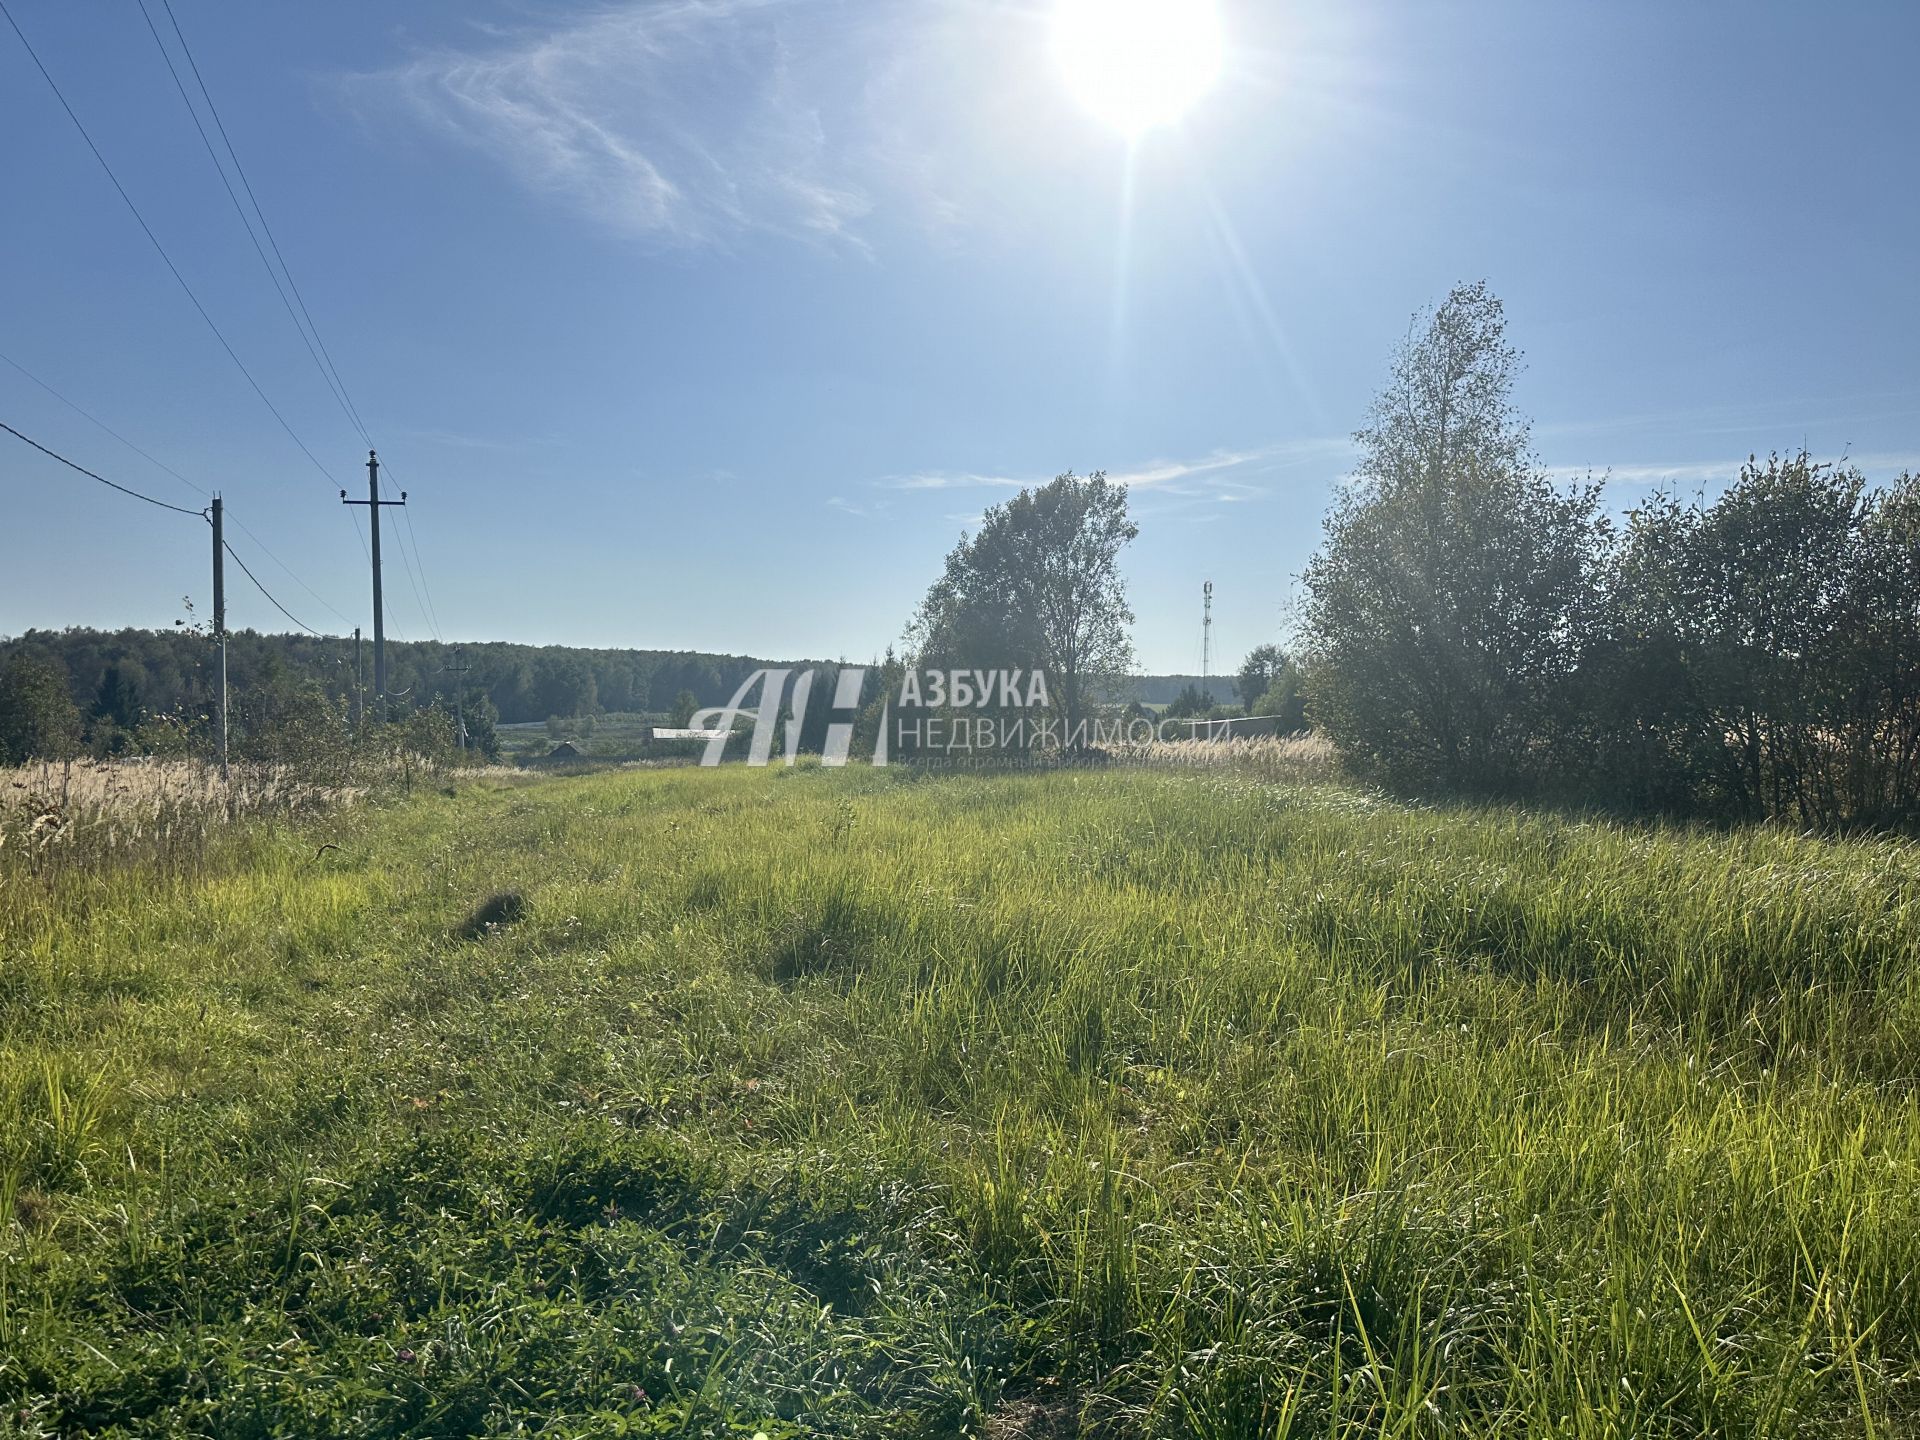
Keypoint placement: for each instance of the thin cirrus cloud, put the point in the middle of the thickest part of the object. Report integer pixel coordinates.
(1224, 475)
(1234, 475)
(1878, 465)
(688, 122)
(692, 123)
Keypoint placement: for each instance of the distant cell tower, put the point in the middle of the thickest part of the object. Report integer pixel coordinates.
(1206, 634)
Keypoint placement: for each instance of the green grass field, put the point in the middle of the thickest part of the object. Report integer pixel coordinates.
(872, 1103)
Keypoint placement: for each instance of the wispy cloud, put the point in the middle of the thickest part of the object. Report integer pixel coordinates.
(680, 121)
(1168, 474)
(1224, 475)
(1228, 476)
(1693, 473)
(949, 480)
(693, 123)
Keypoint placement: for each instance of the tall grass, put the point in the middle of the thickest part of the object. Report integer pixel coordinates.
(1138, 1101)
(1279, 759)
(56, 817)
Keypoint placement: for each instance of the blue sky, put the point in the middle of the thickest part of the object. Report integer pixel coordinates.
(712, 323)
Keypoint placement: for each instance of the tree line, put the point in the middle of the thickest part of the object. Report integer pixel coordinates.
(1473, 626)
(109, 692)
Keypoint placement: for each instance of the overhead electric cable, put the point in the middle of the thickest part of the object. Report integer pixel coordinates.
(160, 249)
(89, 416)
(266, 592)
(420, 564)
(289, 571)
(353, 410)
(240, 210)
(427, 612)
(111, 485)
(151, 459)
(324, 360)
(407, 565)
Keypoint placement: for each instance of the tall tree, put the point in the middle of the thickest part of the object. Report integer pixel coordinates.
(117, 698)
(1450, 599)
(1258, 672)
(1190, 704)
(1039, 586)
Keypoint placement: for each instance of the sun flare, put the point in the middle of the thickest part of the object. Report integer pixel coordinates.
(1136, 64)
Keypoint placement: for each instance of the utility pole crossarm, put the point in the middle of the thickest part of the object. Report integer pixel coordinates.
(373, 502)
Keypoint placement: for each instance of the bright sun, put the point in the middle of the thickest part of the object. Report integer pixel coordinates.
(1137, 63)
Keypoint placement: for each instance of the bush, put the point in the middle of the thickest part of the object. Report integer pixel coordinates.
(1286, 698)
(38, 719)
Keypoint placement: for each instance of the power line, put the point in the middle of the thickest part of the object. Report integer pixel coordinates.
(240, 170)
(177, 509)
(268, 593)
(330, 371)
(421, 565)
(361, 536)
(323, 360)
(289, 572)
(198, 515)
(160, 249)
(238, 208)
(407, 564)
(89, 416)
(427, 611)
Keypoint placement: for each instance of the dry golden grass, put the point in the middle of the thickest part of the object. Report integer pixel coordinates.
(88, 809)
(137, 786)
(1290, 759)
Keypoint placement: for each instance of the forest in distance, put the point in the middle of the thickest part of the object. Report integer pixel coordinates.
(164, 670)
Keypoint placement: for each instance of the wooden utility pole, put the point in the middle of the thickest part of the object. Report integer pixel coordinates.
(373, 502)
(220, 622)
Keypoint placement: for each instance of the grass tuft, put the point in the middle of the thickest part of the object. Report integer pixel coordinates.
(495, 913)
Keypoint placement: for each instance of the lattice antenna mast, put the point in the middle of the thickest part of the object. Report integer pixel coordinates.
(1206, 633)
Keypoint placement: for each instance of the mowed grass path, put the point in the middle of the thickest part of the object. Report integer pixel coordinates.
(864, 1103)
